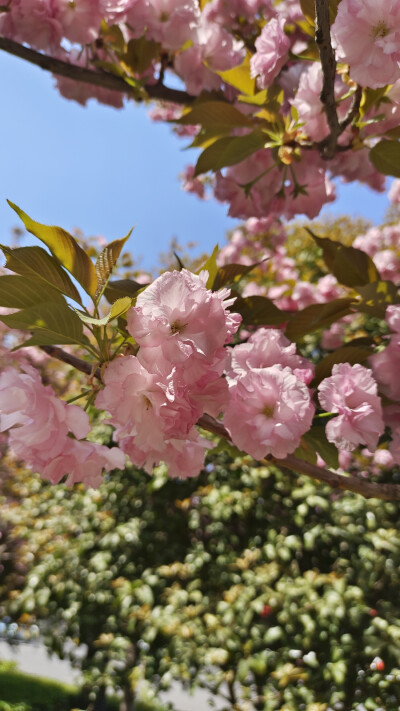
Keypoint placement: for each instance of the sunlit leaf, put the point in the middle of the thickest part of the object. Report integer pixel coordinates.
(67, 250)
(50, 324)
(210, 265)
(119, 307)
(240, 77)
(229, 150)
(376, 297)
(385, 157)
(106, 262)
(317, 316)
(18, 292)
(36, 262)
(351, 267)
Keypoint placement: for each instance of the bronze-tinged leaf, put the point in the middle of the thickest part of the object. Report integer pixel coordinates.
(231, 273)
(215, 113)
(229, 150)
(50, 324)
(37, 263)
(350, 266)
(317, 316)
(18, 292)
(122, 287)
(140, 54)
(376, 297)
(65, 248)
(259, 311)
(106, 262)
(385, 157)
(347, 353)
(316, 439)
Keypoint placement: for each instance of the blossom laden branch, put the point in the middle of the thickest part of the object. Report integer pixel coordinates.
(367, 489)
(103, 79)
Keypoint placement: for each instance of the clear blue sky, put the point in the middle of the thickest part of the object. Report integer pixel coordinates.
(104, 170)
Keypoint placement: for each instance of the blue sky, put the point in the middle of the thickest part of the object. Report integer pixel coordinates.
(104, 170)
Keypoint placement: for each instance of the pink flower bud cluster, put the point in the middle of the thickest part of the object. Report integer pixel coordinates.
(41, 425)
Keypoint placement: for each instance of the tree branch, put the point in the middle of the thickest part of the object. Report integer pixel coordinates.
(345, 482)
(328, 63)
(90, 76)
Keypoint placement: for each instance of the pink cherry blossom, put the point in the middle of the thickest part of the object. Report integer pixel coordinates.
(83, 462)
(269, 410)
(267, 347)
(367, 37)
(394, 192)
(181, 316)
(272, 52)
(352, 392)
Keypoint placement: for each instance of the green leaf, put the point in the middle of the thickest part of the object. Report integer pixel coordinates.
(65, 248)
(215, 113)
(240, 77)
(259, 311)
(376, 297)
(370, 98)
(345, 354)
(122, 287)
(308, 10)
(229, 150)
(50, 324)
(350, 266)
(36, 262)
(316, 438)
(140, 54)
(385, 157)
(106, 261)
(18, 292)
(316, 316)
(119, 307)
(210, 265)
(231, 273)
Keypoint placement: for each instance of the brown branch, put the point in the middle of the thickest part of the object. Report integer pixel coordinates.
(90, 76)
(328, 64)
(367, 489)
(353, 110)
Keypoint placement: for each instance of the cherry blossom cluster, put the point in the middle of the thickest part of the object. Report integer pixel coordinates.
(185, 366)
(48, 434)
(199, 42)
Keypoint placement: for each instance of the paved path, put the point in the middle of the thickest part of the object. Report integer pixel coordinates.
(33, 659)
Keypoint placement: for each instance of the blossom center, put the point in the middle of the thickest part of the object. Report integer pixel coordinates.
(268, 411)
(380, 30)
(177, 327)
(147, 402)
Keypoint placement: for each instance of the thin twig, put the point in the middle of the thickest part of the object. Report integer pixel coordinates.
(90, 76)
(367, 489)
(353, 110)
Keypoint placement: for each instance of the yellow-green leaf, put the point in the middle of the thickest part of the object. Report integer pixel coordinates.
(350, 266)
(385, 157)
(210, 265)
(65, 248)
(317, 316)
(50, 324)
(118, 308)
(18, 292)
(36, 262)
(229, 151)
(240, 77)
(106, 262)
